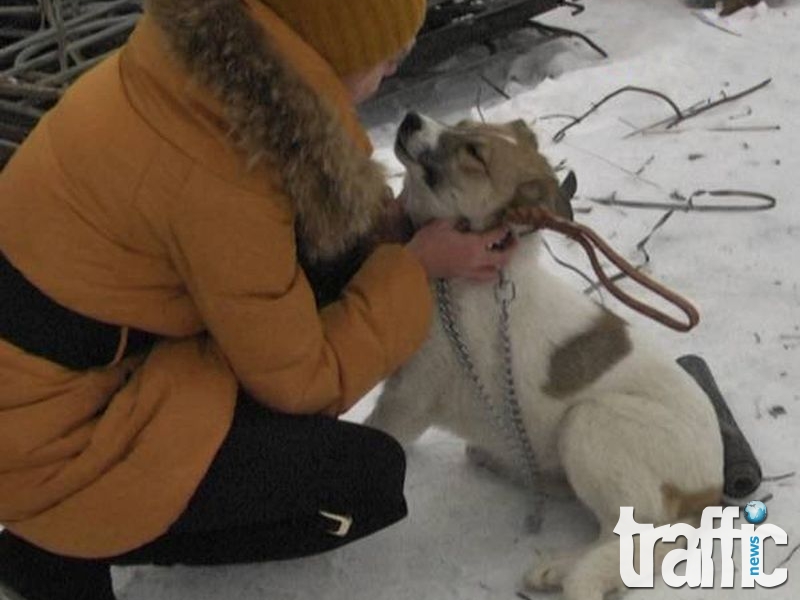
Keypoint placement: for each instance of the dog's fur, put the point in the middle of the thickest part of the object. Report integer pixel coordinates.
(624, 424)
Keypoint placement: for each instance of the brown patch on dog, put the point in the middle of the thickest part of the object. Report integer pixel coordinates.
(681, 506)
(509, 155)
(510, 152)
(585, 358)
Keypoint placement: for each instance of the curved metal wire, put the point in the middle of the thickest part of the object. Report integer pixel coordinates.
(44, 46)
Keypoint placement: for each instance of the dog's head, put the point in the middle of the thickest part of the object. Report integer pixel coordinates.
(473, 171)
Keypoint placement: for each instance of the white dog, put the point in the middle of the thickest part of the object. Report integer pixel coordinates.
(597, 403)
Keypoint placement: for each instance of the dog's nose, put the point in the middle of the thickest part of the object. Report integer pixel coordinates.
(410, 125)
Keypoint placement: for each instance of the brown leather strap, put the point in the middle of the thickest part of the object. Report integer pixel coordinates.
(539, 217)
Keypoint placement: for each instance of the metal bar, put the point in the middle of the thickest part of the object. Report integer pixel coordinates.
(77, 45)
(102, 9)
(8, 12)
(67, 76)
(13, 133)
(439, 44)
(27, 90)
(19, 109)
(30, 52)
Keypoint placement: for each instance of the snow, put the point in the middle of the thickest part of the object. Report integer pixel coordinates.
(466, 536)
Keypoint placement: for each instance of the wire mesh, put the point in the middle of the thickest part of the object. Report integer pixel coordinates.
(44, 46)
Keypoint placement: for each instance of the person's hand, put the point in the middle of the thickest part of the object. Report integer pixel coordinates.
(446, 253)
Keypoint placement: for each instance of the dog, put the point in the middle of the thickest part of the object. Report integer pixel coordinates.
(601, 406)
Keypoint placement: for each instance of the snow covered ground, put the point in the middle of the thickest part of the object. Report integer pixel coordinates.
(466, 537)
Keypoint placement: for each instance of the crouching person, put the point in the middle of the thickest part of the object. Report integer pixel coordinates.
(193, 287)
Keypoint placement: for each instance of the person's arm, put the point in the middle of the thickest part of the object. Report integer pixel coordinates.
(236, 253)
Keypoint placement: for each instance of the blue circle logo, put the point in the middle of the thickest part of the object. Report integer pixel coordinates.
(755, 512)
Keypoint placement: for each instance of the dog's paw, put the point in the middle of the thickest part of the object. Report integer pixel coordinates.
(549, 574)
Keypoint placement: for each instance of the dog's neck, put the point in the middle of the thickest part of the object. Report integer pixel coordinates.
(422, 206)
(528, 252)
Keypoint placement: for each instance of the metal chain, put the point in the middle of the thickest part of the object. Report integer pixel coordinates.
(507, 414)
(450, 326)
(510, 388)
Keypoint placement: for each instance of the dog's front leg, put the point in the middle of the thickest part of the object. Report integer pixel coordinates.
(401, 410)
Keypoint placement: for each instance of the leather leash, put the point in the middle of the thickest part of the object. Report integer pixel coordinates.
(542, 218)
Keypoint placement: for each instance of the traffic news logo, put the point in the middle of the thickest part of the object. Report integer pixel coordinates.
(700, 568)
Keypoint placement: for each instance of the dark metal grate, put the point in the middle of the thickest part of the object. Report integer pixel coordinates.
(44, 46)
(452, 25)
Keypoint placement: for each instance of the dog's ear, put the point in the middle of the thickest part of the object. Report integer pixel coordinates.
(566, 192)
(543, 191)
(524, 133)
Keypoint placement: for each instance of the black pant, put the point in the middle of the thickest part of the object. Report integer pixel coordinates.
(280, 487)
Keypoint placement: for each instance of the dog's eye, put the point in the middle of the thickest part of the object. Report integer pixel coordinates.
(430, 176)
(475, 152)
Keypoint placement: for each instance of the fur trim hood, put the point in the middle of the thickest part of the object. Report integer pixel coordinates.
(336, 189)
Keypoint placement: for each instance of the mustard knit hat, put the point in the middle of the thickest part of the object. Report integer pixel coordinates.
(353, 35)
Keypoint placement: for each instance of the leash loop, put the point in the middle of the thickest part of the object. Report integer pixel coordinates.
(541, 218)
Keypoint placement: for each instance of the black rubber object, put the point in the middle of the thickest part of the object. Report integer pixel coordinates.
(742, 469)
